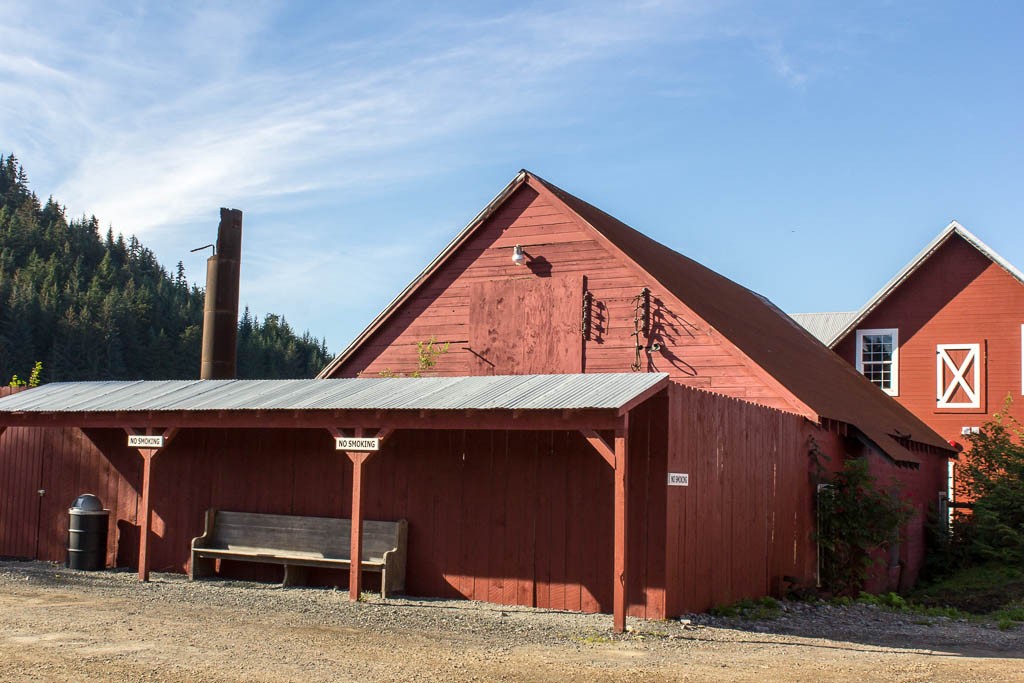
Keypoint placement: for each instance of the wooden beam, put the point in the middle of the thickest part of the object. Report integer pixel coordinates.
(621, 542)
(600, 445)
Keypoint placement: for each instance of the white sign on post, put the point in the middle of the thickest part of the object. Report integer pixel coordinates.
(145, 441)
(678, 479)
(346, 443)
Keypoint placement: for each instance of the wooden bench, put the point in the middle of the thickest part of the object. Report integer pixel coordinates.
(300, 542)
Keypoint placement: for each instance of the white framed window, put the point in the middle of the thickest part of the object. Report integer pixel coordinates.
(958, 375)
(878, 354)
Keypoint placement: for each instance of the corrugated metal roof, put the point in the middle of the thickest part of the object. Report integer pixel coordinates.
(520, 392)
(824, 326)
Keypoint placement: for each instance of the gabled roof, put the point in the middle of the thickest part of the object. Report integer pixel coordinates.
(954, 228)
(815, 376)
(824, 326)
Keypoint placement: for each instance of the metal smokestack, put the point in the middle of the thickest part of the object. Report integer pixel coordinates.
(220, 312)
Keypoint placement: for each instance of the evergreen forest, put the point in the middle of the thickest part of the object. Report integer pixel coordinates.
(94, 306)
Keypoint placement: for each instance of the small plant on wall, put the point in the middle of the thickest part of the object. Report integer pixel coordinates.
(856, 520)
(427, 353)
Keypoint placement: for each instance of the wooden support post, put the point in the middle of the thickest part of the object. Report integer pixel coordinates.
(619, 596)
(355, 569)
(618, 458)
(147, 512)
(355, 573)
(146, 504)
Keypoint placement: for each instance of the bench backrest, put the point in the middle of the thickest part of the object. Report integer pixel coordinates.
(326, 535)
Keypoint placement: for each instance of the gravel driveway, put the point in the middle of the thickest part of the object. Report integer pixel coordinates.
(60, 625)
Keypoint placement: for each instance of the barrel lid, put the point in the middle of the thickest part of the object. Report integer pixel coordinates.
(87, 502)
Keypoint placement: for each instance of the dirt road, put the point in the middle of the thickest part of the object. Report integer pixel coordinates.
(59, 625)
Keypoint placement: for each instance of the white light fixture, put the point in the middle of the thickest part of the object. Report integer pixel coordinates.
(518, 256)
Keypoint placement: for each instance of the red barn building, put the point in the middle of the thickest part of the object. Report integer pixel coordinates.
(531, 469)
(945, 337)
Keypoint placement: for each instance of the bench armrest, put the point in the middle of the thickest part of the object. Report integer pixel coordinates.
(204, 540)
(393, 578)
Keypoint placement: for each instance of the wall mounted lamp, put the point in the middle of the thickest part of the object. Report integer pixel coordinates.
(518, 255)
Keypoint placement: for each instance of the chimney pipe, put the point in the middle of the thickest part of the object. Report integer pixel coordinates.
(220, 312)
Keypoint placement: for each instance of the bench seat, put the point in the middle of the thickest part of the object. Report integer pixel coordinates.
(299, 542)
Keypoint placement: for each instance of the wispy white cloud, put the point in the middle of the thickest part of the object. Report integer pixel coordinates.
(784, 65)
(161, 114)
(149, 114)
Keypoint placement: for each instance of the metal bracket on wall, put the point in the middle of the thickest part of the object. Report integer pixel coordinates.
(588, 301)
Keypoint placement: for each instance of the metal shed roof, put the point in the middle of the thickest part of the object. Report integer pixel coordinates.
(824, 326)
(519, 392)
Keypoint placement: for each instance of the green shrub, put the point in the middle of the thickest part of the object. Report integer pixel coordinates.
(992, 475)
(855, 519)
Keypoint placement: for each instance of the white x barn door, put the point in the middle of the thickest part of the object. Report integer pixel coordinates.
(958, 375)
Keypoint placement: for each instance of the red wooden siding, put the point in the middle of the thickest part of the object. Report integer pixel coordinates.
(558, 245)
(747, 516)
(64, 463)
(957, 296)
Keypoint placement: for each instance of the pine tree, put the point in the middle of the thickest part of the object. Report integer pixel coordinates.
(102, 307)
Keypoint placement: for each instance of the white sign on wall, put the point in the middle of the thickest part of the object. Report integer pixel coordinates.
(678, 479)
(345, 443)
(145, 441)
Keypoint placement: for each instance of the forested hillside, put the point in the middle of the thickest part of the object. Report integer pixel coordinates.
(95, 306)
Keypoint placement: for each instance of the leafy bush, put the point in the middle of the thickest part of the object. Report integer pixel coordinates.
(855, 520)
(993, 477)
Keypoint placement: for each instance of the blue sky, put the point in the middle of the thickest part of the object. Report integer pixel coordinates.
(805, 150)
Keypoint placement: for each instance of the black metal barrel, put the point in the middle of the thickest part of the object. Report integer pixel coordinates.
(87, 533)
